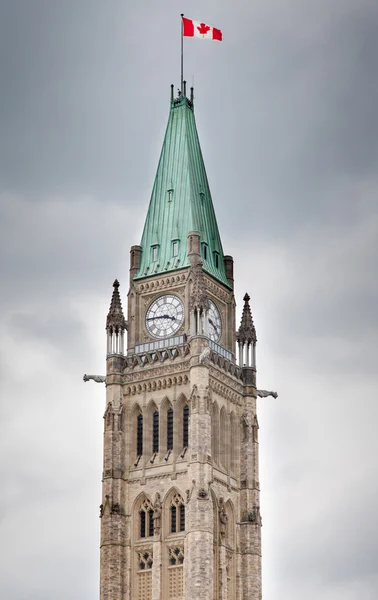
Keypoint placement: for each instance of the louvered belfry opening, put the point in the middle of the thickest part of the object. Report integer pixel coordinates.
(139, 435)
(185, 425)
(155, 432)
(170, 429)
(173, 519)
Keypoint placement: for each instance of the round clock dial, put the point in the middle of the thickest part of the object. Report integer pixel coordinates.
(165, 316)
(215, 323)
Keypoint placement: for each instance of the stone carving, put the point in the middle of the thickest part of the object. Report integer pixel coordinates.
(194, 397)
(265, 394)
(245, 425)
(198, 299)
(254, 515)
(116, 508)
(207, 398)
(103, 506)
(255, 429)
(157, 514)
(176, 555)
(204, 355)
(145, 559)
(223, 518)
(96, 378)
(202, 493)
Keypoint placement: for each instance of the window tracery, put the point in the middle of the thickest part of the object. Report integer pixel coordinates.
(177, 514)
(144, 574)
(146, 519)
(175, 573)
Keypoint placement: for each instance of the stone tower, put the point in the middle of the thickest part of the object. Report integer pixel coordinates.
(180, 512)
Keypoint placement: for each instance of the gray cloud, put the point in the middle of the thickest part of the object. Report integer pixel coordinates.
(286, 112)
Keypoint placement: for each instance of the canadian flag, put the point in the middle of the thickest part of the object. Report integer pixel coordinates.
(201, 30)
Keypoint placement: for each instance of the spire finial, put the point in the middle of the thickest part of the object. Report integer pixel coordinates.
(115, 321)
(247, 331)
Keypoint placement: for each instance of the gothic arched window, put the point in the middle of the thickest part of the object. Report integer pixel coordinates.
(177, 514)
(185, 426)
(139, 435)
(146, 519)
(155, 431)
(170, 429)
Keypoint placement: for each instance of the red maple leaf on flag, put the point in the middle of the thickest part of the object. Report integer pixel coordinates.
(203, 28)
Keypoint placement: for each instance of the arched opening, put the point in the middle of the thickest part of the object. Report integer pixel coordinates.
(173, 547)
(135, 443)
(177, 514)
(234, 444)
(139, 435)
(155, 432)
(185, 426)
(170, 429)
(223, 442)
(166, 436)
(143, 532)
(215, 433)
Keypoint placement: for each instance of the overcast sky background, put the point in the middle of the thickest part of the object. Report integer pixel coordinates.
(286, 109)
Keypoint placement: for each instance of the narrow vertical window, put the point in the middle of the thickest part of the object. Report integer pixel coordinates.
(139, 435)
(175, 248)
(155, 432)
(185, 422)
(182, 517)
(216, 259)
(170, 429)
(173, 519)
(154, 253)
(150, 522)
(142, 524)
(204, 251)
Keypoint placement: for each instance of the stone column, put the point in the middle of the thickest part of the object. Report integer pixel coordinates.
(156, 569)
(112, 511)
(198, 564)
(250, 523)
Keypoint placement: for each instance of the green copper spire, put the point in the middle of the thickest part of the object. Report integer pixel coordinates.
(180, 203)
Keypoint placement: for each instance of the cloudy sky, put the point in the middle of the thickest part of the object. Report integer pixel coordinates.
(286, 109)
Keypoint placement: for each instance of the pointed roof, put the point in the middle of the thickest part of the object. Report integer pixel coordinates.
(180, 202)
(115, 320)
(247, 331)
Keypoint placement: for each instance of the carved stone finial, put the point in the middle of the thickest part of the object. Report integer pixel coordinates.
(198, 298)
(115, 321)
(247, 331)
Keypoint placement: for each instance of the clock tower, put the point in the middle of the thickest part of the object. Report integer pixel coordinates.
(180, 511)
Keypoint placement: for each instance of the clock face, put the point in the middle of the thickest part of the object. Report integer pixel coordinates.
(165, 316)
(215, 323)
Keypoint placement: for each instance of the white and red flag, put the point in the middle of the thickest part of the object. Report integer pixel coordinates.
(201, 30)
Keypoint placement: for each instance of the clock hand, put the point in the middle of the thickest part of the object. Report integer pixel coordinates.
(161, 317)
(213, 324)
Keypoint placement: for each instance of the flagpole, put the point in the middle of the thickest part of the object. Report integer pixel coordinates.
(182, 54)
